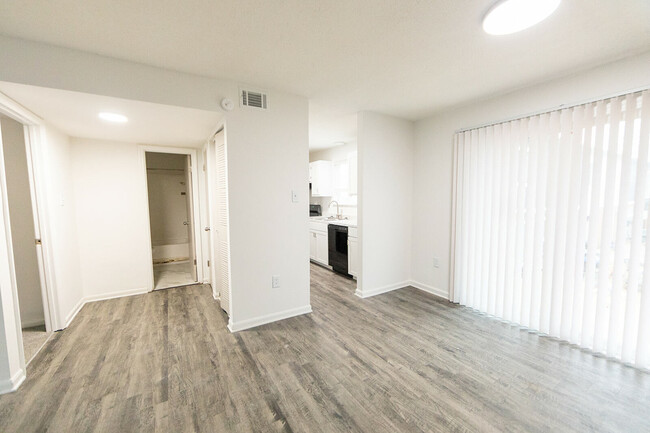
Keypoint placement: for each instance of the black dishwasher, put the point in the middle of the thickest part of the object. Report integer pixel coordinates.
(337, 239)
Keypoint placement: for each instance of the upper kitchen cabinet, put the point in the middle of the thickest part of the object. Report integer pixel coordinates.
(320, 177)
(352, 167)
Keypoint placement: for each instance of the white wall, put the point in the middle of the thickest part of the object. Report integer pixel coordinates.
(22, 227)
(347, 202)
(268, 157)
(434, 157)
(385, 202)
(112, 222)
(61, 236)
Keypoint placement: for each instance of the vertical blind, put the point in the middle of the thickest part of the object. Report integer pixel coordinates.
(551, 222)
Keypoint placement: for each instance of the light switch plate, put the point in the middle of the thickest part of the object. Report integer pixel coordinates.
(294, 196)
(436, 262)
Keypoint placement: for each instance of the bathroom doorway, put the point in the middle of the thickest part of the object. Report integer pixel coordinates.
(171, 218)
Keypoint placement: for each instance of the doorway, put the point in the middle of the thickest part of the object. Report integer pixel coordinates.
(32, 301)
(171, 219)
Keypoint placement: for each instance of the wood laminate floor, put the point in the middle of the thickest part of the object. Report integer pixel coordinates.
(404, 361)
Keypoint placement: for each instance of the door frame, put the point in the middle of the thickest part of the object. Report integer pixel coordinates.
(33, 130)
(196, 203)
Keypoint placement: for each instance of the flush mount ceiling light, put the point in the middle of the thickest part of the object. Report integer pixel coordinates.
(113, 117)
(511, 16)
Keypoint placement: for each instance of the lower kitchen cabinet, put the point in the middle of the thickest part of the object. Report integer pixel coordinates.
(353, 255)
(318, 248)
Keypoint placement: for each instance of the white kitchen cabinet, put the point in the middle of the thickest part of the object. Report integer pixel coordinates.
(322, 249)
(320, 177)
(353, 252)
(313, 246)
(318, 246)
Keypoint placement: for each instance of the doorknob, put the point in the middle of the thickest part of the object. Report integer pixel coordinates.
(185, 223)
(207, 229)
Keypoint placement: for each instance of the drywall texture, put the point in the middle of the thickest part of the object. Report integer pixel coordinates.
(385, 201)
(434, 156)
(22, 223)
(267, 159)
(111, 217)
(60, 235)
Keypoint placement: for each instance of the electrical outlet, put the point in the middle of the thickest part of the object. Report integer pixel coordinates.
(436, 262)
(275, 281)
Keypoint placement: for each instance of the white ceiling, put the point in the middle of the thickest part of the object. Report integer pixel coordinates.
(408, 58)
(75, 114)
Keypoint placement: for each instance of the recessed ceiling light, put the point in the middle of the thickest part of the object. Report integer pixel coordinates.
(113, 117)
(511, 16)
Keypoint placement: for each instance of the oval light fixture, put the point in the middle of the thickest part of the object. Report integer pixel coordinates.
(112, 117)
(511, 16)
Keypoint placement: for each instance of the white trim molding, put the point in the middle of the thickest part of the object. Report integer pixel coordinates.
(119, 294)
(104, 297)
(385, 289)
(430, 289)
(263, 320)
(379, 290)
(10, 385)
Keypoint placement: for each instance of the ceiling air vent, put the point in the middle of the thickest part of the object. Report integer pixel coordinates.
(250, 98)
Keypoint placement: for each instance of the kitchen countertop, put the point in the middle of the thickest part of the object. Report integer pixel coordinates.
(324, 220)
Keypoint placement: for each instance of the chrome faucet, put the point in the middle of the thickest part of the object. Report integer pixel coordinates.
(338, 215)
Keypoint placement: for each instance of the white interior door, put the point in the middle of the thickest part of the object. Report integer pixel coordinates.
(189, 202)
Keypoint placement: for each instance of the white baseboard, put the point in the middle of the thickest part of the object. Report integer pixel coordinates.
(113, 295)
(263, 320)
(379, 290)
(103, 297)
(430, 289)
(12, 384)
(70, 317)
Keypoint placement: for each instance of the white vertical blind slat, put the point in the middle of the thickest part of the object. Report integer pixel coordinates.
(549, 231)
(605, 258)
(512, 214)
(531, 194)
(571, 218)
(642, 357)
(595, 214)
(474, 151)
(466, 219)
(480, 219)
(630, 329)
(540, 219)
(615, 337)
(494, 228)
(582, 226)
(522, 138)
(560, 231)
(503, 219)
(487, 218)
